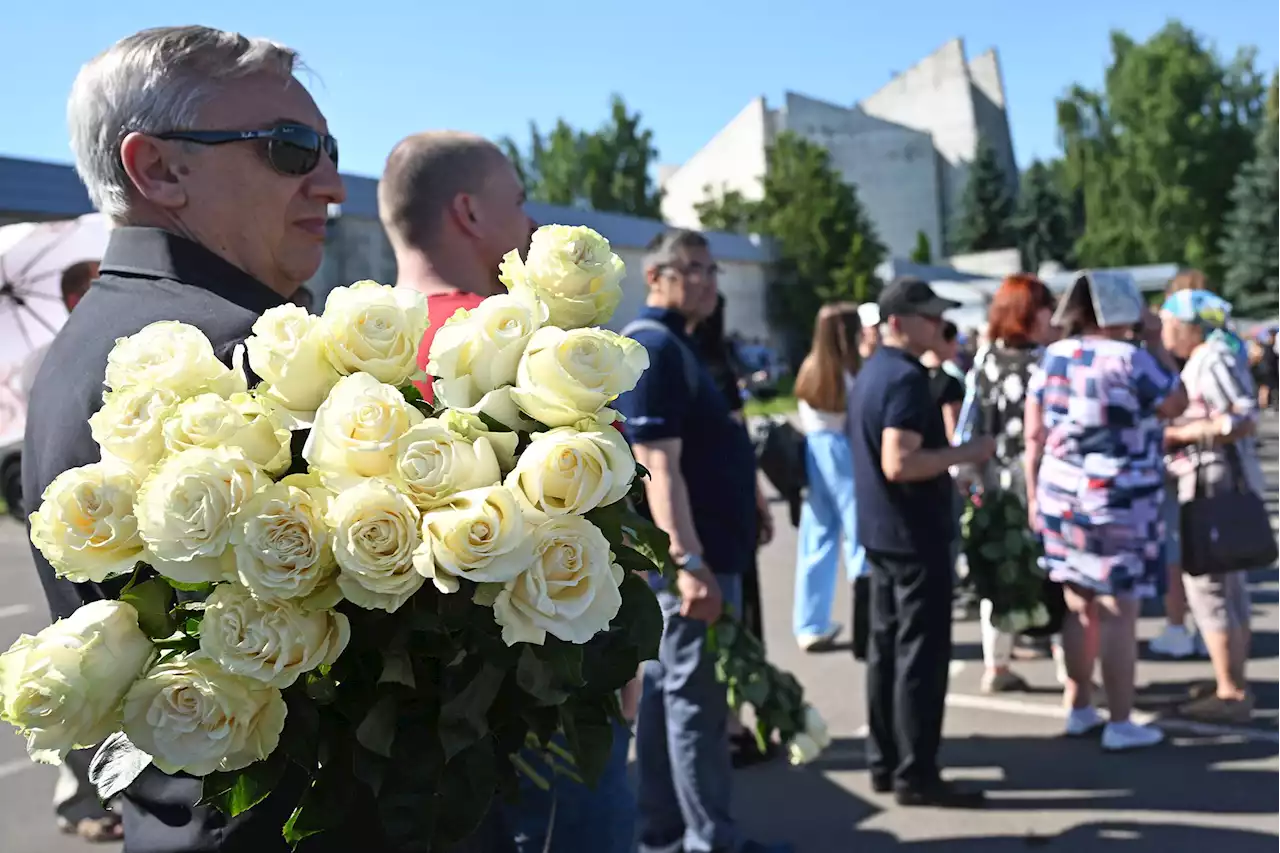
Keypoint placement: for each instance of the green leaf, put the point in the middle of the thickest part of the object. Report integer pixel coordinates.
(632, 560)
(640, 616)
(300, 740)
(236, 792)
(487, 593)
(589, 732)
(537, 678)
(464, 719)
(642, 473)
(153, 600)
(412, 395)
(472, 780)
(377, 731)
(323, 806)
(202, 588)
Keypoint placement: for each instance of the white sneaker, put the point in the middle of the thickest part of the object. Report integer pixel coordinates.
(820, 642)
(1174, 642)
(1118, 737)
(1081, 721)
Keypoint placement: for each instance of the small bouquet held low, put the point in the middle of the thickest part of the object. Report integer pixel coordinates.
(324, 571)
(1003, 557)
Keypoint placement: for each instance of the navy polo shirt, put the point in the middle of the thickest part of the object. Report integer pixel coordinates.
(904, 519)
(716, 457)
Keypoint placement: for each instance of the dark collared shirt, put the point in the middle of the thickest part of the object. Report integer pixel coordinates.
(147, 275)
(892, 392)
(716, 458)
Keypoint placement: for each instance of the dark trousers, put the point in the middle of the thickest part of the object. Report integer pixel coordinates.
(908, 658)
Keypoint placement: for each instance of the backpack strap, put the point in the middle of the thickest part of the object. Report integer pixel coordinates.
(688, 358)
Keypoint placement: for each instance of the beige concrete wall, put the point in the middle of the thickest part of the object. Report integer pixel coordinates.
(734, 159)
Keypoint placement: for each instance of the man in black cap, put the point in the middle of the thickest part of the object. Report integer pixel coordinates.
(906, 521)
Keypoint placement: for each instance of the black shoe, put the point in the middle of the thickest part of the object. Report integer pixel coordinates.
(881, 784)
(940, 794)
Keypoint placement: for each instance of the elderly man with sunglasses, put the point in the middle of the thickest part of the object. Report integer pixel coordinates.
(217, 168)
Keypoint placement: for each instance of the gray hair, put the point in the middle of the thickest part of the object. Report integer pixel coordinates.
(154, 81)
(664, 249)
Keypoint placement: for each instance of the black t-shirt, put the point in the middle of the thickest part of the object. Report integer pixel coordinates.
(907, 519)
(944, 387)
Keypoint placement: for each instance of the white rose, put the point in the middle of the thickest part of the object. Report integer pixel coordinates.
(802, 749)
(433, 464)
(63, 687)
(86, 527)
(287, 351)
(375, 530)
(173, 356)
(129, 426)
(570, 590)
(240, 421)
(188, 508)
(568, 376)
(816, 727)
(478, 351)
(357, 429)
(567, 471)
(270, 642)
(192, 716)
(572, 269)
(472, 427)
(481, 536)
(376, 329)
(282, 544)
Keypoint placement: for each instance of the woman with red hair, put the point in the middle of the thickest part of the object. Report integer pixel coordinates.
(1018, 329)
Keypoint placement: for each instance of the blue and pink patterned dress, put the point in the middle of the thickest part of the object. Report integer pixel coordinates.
(1102, 472)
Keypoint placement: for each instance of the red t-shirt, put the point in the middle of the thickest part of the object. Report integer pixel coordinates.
(440, 307)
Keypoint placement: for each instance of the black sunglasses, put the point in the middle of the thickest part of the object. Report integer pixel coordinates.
(292, 149)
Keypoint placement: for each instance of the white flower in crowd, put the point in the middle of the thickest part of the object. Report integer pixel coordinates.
(192, 716)
(63, 687)
(129, 427)
(481, 536)
(573, 270)
(472, 427)
(573, 471)
(376, 329)
(241, 421)
(802, 749)
(566, 377)
(478, 351)
(816, 727)
(189, 507)
(282, 544)
(375, 532)
(570, 589)
(433, 464)
(173, 356)
(288, 352)
(357, 430)
(86, 527)
(270, 642)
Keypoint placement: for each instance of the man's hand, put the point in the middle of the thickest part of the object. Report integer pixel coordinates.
(980, 449)
(699, 595)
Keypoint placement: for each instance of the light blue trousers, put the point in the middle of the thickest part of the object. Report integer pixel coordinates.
(826, 520)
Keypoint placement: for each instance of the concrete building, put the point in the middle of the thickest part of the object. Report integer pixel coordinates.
(358, 248)
(907, 148)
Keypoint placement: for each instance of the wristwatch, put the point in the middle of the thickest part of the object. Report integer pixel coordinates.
(689, 562)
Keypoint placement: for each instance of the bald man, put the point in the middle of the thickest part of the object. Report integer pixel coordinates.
(453, 206)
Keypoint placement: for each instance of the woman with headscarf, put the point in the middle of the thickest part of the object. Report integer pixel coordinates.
(1212, 445)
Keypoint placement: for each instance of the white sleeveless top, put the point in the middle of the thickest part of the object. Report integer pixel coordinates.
(813, 420)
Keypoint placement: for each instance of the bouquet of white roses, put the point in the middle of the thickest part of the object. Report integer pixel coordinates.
(327, 572)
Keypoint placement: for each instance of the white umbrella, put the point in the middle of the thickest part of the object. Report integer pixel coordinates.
(33, 256)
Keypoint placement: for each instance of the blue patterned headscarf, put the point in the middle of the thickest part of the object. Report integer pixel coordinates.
(1208, 310)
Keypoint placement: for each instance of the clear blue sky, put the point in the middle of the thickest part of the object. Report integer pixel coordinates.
(490, 66)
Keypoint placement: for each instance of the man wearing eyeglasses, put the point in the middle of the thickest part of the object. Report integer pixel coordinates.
(217, 169)
(702, 492)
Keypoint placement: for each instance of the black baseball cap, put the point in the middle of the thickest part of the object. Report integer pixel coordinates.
(908, 297)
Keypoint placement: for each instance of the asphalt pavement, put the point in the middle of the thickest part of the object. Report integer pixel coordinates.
(1208, 788)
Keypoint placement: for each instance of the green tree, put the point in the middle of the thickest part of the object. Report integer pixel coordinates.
(923, 252)
(605, 169)
(1155, 152)
(1250, 247)
(985, 216)
(826, 245)
(1042, 222)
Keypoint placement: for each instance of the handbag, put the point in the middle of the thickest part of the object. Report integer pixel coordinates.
(1225, 529)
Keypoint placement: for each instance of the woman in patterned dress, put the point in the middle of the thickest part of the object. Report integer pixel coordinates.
(1019, 329)
(1095, 479)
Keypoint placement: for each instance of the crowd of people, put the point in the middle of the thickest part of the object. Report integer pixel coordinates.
(1100, 416)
